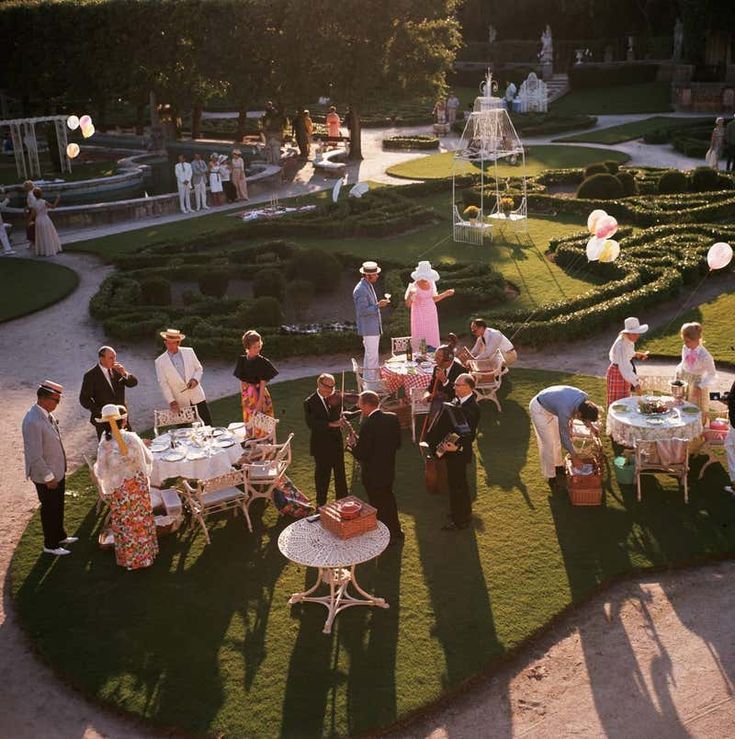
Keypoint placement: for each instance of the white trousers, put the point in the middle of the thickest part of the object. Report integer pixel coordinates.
(546, 426)
(371, 362)
(4, 240)
(184, 198)
(200, 194)
(730, 452)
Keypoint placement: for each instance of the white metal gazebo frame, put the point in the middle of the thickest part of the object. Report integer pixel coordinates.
(489, 136)
(25, 144)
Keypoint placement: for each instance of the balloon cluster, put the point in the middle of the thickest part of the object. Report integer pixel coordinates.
(73, 123)
(719, 255)
(601, 247)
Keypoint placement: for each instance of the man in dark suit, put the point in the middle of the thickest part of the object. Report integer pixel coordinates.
(326, 446)
(447, 370)
(375, 449)
(105, 383)
(459, 455)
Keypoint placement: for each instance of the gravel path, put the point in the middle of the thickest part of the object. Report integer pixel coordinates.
(650, 657)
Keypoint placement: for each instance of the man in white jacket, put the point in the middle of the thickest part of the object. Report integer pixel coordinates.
(183, 180)
(179, 374)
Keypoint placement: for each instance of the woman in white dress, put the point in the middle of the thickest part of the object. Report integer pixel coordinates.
(215, 181)
(697, 367)
(47, 241)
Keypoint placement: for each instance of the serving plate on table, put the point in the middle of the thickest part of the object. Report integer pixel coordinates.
(174, 456)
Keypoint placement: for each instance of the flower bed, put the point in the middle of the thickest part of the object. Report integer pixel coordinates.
(411, 142)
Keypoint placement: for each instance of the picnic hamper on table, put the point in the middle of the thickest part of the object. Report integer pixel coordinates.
(332, 520)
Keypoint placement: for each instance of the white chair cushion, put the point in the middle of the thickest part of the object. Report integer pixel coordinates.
(216, 497)
(263, 471)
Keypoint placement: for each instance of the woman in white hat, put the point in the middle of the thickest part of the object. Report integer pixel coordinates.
(238, 175)
(215, 180)
(621, 375)
(123, 468)
(421, 299)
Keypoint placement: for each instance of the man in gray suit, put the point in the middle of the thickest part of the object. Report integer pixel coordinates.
(367, 316)
(46, 465)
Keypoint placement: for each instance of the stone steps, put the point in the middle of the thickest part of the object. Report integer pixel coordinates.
(557, 86)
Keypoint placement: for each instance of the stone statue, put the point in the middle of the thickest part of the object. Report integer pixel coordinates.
(492, 34)
(488, 86)
(546, 55)
(678, 39)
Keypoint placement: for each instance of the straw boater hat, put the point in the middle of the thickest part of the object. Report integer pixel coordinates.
(172, 334)
(236, 151)
(52, 387)
(634, 326)
(424, 272)
(112, 412)
(370, 268)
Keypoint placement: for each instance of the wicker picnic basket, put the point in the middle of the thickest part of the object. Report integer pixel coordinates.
(584, 489)
(331, 520)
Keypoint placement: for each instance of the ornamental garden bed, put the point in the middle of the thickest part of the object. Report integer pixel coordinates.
(411, 142)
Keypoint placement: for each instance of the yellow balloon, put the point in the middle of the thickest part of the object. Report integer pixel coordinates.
(88, 131)
(72, 151)
(610, 251)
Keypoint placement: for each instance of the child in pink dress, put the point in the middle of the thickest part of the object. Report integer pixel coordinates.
(421, 299)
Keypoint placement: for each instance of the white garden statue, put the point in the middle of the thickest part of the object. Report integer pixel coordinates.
(533, 95)
(546, 55)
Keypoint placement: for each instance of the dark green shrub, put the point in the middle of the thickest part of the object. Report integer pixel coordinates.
(630, 186)
(134, 326)
(266, 257)
(156, 291)
(600, 75)
(659, 136)
(611, 166)
(301, 293)
(317, 266)
(595, 168)
(264, 311)
(411, 142)
(600, 186)
(705, 179)
(214, 283)
(269, 282)
(672, 182)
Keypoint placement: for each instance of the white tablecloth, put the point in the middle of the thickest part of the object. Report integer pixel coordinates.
(204, 459)
(625, 424)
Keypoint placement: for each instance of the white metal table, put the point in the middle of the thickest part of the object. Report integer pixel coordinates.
(308, 543)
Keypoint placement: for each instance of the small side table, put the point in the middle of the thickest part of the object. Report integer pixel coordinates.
(307, 543)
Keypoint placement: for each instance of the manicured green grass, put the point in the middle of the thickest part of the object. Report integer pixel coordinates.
(205, 640)
(28, 285)
(538, 159)
(630, 131)
(649, 97)
(716, 317)
(9, 174)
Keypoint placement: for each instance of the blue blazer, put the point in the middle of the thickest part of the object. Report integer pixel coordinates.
(367, 313)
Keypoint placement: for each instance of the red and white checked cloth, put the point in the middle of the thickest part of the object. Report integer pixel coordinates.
(397, 376)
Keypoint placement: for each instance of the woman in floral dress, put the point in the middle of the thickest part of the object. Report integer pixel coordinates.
(123, 468)
(254, 372)
(421, 299)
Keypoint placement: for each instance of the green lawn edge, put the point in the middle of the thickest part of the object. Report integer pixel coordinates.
(20, 279)
(630, 131)
(508, 587)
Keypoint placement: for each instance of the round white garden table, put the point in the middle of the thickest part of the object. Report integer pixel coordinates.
(400, 372)
(625, 423)
(194, 459)
(308, 543)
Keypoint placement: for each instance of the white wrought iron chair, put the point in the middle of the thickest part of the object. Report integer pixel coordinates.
(665, 457)
(467, 232)
(262, 477)
(488, 377)
(377, 386)
(187, 415)
(419, 407)
(221, 493)
(399, 345)
(655, 384)
(261, 433)
(102, 501)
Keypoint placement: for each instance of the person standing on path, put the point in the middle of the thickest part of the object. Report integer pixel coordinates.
(421, 298)
(199, 171)
(730, 145)
(4, 240)
(238, 175)
(45, 460)
(183, 181)
(621, 375)
(369, 321)
(46, 238)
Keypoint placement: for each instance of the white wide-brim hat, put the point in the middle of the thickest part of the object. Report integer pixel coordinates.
(424, 271)
(172, 334)
(370, 268)
(112, 412)
(634, 326)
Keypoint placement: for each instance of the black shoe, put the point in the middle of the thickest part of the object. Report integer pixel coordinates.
(397, 539)
(454, 527)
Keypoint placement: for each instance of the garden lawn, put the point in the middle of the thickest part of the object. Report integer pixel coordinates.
(205, 641)
(91, 170)
(633, 130)
(538, 159)
(648, 97)
(716, 318)
(28, 285)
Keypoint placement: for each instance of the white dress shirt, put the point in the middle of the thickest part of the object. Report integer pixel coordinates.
(489, 342)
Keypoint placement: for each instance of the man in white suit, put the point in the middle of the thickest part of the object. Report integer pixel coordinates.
(46, 465)
(179, 374)
(183, 180)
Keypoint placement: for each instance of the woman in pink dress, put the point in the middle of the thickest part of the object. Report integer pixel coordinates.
(421, 299)
(47, 241)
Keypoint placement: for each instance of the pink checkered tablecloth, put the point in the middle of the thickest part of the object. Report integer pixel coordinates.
(405, 374)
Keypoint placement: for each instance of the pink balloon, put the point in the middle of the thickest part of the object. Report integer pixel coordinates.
(719, 255)
(606, 227)
(594, 248)
(85, 121)
(594, 216)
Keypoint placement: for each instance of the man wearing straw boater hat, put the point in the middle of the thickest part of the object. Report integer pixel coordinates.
(46, 465)
(179, 374)
(369, 321)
